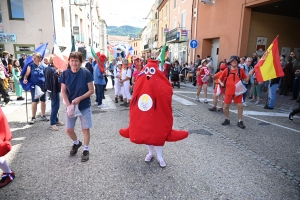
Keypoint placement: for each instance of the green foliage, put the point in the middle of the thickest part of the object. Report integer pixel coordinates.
(124, 31)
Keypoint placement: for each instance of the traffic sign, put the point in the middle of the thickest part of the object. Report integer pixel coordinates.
(193, 44)
(76, 30)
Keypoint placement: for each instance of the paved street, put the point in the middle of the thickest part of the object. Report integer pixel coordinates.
(214, 162)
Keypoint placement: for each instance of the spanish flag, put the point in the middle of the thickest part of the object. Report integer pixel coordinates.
(269, 67)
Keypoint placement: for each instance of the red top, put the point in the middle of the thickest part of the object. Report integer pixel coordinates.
(232, 79)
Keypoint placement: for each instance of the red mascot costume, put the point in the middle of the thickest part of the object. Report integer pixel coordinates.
(5, 147)
(151, 117)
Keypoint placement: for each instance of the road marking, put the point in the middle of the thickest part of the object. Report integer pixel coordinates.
(109, 104)
(183, 101)
(246, 115)
(258, 113)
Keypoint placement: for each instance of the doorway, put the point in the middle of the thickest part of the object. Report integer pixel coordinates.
(215, 52)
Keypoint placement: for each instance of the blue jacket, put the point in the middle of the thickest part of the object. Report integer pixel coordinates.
(98, 76)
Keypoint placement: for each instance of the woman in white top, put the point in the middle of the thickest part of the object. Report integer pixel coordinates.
(125, 83)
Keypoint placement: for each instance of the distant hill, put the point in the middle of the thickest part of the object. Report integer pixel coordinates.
(124, 30)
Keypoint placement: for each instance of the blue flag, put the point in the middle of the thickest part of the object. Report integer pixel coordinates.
(41, 49)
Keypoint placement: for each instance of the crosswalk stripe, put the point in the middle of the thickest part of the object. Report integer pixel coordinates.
(258, 113)
(109, 104)
(183, 101)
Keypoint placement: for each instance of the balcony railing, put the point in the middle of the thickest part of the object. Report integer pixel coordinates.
(146, 46)
(177, 35)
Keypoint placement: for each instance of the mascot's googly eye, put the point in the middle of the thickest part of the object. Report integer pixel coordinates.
(152, 70)
(146, 70)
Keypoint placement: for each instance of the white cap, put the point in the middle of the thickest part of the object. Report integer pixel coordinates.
(119, 63)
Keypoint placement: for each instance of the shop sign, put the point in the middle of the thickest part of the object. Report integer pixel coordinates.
(8, 38)
(261, 45)
(184, 35)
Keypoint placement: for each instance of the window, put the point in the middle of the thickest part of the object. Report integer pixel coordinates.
(166, 10)
(175, 22)
(175, 2)
(15, 8)
(183, 20)
(62, 11)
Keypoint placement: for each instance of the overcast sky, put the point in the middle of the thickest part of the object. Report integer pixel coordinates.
(130, 12)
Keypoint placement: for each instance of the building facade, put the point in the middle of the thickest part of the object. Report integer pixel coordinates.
(136, 44)
(163, 21)
(25, 25)
(22, 31)
(180, 30)
(244, 27)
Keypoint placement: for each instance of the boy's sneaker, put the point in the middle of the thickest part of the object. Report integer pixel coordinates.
(75, 149)
(212, 109)
(7, 178)
(101, 106)
(257, 102)
(32, 121)
(205, 101)
(44, 118)
(197, 99)
(241, 125)
(226, 122)
(85, 156)
(220, 110)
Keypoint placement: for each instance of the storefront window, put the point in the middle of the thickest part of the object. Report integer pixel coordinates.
(23, 48)
(15, 8)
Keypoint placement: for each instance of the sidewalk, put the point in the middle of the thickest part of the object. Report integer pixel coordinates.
(282, 102)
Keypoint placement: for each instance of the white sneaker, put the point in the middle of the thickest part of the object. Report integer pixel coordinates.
(197, 99)
(205, 101)
(96, 103)
(102, 106)
(244, 104)
(257, 102)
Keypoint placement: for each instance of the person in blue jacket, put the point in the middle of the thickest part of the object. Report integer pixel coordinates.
(99, 81)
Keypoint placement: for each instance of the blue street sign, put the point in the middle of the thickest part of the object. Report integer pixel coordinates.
(193, 44)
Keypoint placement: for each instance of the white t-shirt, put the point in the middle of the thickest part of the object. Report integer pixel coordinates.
(126, 73)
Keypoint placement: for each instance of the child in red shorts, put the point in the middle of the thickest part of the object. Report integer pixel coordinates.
(221, 93)
(202, 71)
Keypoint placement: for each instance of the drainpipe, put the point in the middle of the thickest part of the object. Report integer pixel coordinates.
(70, 10)
(53, 20)
(195, 33)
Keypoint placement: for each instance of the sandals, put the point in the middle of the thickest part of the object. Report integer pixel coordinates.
(53, 128)
(148, 158)
(162, 163)
(60, 124)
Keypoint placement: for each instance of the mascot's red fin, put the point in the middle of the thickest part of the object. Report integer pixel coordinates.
(177, 135)
(124, 132)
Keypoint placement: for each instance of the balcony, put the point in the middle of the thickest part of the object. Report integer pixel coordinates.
(146, 46)
(177, 35)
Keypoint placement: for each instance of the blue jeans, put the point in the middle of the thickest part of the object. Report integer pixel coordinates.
(112, 80)
(55, 102)
(245, 94)
(272, 95)
(99, 93)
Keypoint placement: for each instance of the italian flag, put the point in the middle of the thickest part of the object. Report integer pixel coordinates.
(269, 67)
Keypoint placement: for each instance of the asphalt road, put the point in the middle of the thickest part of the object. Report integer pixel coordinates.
(214, 162)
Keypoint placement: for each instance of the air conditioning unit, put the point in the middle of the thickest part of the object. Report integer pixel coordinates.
(207, 2)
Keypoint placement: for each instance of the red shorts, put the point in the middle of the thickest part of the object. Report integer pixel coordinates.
(222, 90)
(199, 80)
(237, 99)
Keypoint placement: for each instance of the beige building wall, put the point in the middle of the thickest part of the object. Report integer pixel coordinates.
(287, 28)
(136, 45)
(163, 21)
(35, 29)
